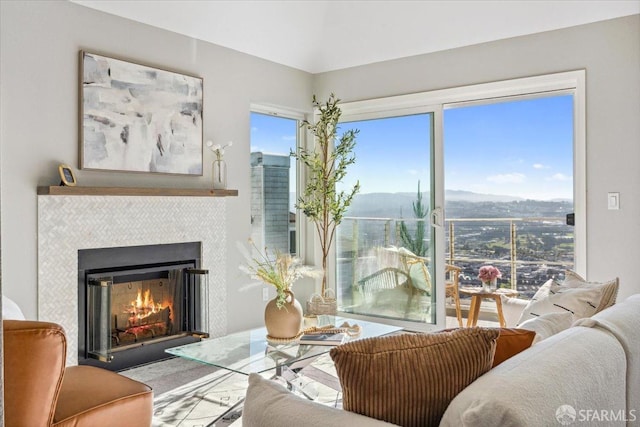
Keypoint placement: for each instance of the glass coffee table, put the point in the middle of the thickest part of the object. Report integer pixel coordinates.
(249, 351)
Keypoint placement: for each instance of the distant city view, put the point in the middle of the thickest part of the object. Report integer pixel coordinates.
(482, 226)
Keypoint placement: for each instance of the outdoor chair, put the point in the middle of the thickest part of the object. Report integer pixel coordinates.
(385, 279)
(451, 288)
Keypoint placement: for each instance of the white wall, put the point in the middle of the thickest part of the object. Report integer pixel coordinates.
(610, 53)
(39, 44)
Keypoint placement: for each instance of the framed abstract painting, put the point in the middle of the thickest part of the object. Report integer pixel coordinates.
(137, 118)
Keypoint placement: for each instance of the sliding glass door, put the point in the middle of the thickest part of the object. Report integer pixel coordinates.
(385, 260)
(523, 139)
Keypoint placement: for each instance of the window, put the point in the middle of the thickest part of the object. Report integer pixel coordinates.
(366, 279)
(508, 188)
(273, 181)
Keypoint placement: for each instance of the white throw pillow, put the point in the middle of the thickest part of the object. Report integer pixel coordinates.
(512, 309)
(552, 297)
(269, 404)
(548, 324)
(610, 288)
(10, 310)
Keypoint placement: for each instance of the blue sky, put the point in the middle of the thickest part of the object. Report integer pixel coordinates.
(520, 148)
(274, 135)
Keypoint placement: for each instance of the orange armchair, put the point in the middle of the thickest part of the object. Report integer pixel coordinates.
(40, 391)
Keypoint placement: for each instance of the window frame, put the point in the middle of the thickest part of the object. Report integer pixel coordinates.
(436, 101)
(302, 229)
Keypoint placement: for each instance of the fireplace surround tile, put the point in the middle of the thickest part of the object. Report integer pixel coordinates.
(67, 224)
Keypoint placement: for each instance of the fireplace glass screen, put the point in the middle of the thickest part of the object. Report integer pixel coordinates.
(132, 308)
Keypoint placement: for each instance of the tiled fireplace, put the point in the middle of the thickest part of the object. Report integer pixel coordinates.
(69, 224)
(134, 302)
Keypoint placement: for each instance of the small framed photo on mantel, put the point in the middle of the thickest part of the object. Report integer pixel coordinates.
(137, 118)
(66, 176)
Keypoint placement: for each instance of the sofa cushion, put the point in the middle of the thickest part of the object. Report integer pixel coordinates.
(609, 288)
(410, 379)
(511, 342)
(570, 368)
(92, 396)
(269, 404)
(512, 309)
(623, 321)
(547, 325)
(553, 297)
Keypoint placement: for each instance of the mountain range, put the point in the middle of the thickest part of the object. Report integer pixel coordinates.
(459, 204)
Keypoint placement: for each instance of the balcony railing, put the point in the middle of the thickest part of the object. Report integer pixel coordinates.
(528, 251)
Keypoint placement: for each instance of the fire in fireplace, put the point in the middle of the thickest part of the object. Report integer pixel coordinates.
(130, 313)
(141, 318)
(145, 315)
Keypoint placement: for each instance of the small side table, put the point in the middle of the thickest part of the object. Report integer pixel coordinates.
(477, 295)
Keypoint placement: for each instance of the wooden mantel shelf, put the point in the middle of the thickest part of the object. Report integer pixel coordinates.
(133, 191)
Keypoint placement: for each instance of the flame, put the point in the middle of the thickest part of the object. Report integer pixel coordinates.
(144, 306)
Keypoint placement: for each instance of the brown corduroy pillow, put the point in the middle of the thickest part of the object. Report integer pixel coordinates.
(410, 379)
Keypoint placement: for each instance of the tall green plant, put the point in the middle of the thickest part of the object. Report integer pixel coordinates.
(326, 166)
(416, 244)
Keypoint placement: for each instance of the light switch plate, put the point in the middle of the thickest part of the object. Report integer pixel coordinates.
(613, 201)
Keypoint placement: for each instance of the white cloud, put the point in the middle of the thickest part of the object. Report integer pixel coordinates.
(559, 177)
(289, 138)
(540, 166)
(254, 129)
(507, 178)
(412, 172)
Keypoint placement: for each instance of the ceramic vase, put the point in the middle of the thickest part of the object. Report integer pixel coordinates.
(285, 322)
(219, 175)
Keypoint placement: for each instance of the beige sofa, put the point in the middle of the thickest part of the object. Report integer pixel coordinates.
(588, 374)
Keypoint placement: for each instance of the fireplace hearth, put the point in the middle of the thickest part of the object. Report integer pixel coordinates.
(134, 302)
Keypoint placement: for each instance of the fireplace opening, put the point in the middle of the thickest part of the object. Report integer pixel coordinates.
(129, 314)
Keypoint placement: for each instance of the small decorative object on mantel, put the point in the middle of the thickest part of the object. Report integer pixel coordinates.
(283, 315)
(219, 167)
(489, 276)
(66, 176)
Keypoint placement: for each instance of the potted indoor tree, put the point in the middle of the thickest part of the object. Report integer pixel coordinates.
(326, 165)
